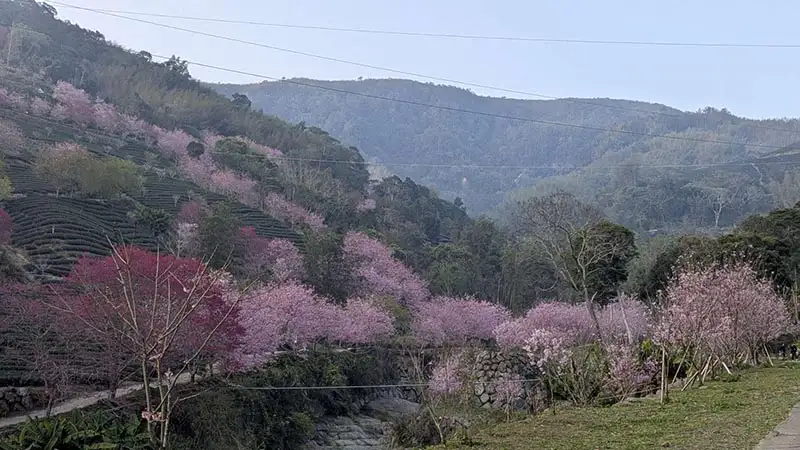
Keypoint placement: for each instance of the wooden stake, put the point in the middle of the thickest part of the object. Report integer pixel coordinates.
(664, 377)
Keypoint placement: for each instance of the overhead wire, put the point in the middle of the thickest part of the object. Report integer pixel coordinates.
(463, 166)
(452, 35)
(487, 114)
(120, 14)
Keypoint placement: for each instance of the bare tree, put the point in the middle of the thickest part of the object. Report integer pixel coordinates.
(570, 235)
(786, 193)
(167, 312)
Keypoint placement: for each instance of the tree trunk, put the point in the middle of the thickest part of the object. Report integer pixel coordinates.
(590, 307)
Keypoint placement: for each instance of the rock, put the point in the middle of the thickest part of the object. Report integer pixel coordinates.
(485, 398)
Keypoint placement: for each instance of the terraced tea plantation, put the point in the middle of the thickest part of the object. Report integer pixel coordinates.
(55, 230)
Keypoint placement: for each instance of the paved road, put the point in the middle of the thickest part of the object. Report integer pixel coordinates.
(785, 436)
(80, 402)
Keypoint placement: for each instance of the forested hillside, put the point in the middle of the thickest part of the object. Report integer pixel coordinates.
(224, 279)
(609, 152)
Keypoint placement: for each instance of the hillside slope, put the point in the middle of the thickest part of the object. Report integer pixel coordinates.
(437, 146)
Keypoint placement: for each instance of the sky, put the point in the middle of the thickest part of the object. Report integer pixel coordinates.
(751, 82)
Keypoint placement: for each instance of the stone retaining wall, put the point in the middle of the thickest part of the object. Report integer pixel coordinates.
(16, 400)
(491, 367)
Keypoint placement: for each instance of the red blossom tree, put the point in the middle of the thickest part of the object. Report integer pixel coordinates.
(377, 273)
(168, 312)
(52, 347)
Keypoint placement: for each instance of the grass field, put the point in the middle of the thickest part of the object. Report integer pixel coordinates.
(722, 415)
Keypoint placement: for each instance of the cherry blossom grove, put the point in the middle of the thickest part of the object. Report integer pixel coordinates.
(75, 105)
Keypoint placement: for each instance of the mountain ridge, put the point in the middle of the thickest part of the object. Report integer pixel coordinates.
(487, 159)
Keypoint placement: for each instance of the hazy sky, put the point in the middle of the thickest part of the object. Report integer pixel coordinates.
(755, 82)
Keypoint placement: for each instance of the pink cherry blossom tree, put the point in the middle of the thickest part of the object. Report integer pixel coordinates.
(456, 321)
(365, 205)
(377, 273)
(278, 256)
(106, 117)
(77, 106)
(721, 314)
(362, 321)
(281, 208)
(290, 315)
(40, 107)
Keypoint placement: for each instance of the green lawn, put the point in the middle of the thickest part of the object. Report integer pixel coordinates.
(722, 415)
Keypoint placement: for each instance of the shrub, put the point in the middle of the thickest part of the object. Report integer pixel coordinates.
(6, 227)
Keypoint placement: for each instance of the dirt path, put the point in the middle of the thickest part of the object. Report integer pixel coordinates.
(82, 401)
(785, 436)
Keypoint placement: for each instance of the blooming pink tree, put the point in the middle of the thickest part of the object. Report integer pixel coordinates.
(106, 117)
(191, 212)
(279, 207)
(377, 273)
(278, 256)
(446, 377)
(5, 99)
(362, 321)
(563, 342)
(290, 315)
(365, 205)
(456, 321)
(40, 107)
(627, 373)
(625, 320)
(723, 313)
(77, 106)
(11, 136)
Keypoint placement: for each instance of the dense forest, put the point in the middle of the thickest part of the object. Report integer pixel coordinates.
(605, 151)
(246, 278)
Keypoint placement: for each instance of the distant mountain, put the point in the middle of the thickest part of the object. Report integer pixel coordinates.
(438, 146)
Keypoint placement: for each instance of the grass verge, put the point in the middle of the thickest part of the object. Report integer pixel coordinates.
(721, 415)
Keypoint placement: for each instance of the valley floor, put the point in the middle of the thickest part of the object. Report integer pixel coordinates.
(721, 415)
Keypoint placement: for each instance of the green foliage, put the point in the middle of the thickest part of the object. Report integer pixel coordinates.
(79, 431)
(325, 266)
(155, 220)
(78, 172)
(6, 187)
(608, 273)
(276, 419)
(110, 177)
(218, 234)
(195, 149)
(241, 101)
(632, 194)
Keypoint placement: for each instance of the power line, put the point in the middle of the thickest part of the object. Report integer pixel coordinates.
(468, 166)
(486, 114)
(397, 71)
(448, 35)
(479, 113)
